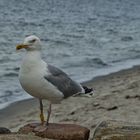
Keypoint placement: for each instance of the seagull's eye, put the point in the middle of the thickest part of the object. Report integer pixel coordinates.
(32, 41)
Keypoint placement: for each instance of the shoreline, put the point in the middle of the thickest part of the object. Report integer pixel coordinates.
(116, 97)
(122, 71)
(87, 82)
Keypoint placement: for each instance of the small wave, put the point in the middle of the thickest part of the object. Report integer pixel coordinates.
(93, 41)
(92, 18)
(95, 62)
(116, 61)
(64, 55)
(73, 35)
(112, 31)
(80, 24)
(7, 93)
(88, 62)
(127, 38)
(35, 24)
(11, 74)
(63, 43)
(136, 51)
(4, 59)
(45, 39)
(15, 69)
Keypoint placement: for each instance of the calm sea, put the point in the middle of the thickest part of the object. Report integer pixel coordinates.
(85, 38)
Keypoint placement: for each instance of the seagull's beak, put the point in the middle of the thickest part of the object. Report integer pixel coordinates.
(21, 46)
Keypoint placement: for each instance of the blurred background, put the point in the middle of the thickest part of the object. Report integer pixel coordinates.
(85, 38)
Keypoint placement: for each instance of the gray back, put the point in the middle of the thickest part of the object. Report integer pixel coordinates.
(62, 81)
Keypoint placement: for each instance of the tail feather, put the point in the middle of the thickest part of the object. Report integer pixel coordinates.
(88, 90)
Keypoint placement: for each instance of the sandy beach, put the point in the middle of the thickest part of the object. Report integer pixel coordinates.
(117, 96)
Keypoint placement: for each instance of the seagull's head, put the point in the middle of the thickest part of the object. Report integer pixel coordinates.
(30, 43)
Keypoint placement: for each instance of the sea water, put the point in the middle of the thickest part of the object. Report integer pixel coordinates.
(85, 38)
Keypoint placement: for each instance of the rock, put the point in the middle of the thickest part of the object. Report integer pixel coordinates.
(57, 131)
(4, 130)
(117, 130)
(19, 137)
(112, 108)
(132, 97)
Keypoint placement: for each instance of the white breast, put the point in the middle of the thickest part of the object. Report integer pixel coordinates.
(31, 77)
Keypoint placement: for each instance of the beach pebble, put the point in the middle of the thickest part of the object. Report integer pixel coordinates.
(4, 130)
(112, 108)
(96, 104)
(132, 97)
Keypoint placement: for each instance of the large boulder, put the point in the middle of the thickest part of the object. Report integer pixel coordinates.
(57, 131)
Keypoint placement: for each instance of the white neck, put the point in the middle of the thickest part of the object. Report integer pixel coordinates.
(33, 55)
(32, 62)
(32, 58)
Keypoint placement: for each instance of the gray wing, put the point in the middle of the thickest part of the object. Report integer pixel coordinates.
(62, 81)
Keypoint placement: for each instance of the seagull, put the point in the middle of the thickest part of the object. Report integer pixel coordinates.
(45, 81)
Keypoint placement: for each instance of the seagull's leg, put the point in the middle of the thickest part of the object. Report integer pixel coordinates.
(41, 112)
(49, 113)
